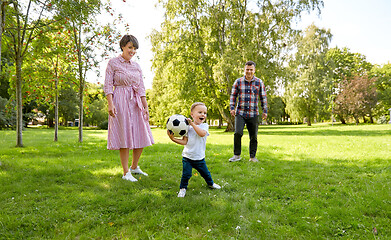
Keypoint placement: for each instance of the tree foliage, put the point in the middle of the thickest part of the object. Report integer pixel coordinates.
(383, 86)
(72, 32)
(358, 97)
(203, 45)
(22, 26)
(86, 31)
(346, 65)
(307, 92)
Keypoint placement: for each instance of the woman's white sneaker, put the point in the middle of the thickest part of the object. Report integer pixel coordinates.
(129, 177)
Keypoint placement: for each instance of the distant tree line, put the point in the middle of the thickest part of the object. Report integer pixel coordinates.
(47, 48)
(202, 47)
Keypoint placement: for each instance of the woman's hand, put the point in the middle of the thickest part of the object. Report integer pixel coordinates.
(146, 114)
(112, 110)
(110, 105)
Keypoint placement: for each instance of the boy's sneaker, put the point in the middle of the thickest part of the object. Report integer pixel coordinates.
(129, 177)
(182, 192)
(138, 171)
(253, 159)
(215, 186)
(235, 158)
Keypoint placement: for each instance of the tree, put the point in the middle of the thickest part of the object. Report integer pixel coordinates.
(346, 65)
(22, 28)
(96, 110)
(308, 91)
(87, 32)
(67, 103)
(276, 109)
(49, 69)
(204, 44)
(383, 86)
(3, 5)
(358, 97)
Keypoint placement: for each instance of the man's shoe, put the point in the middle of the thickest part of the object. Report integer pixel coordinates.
(235, 158)
(138, 171)
(253, 159)
(215, 186)
(182, 192)
(129, 177)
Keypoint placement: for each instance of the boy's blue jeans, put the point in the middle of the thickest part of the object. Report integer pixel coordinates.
(200, 166)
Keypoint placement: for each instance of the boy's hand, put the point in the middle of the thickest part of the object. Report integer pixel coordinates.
(182, 141)
(170, 134)
(190, 121)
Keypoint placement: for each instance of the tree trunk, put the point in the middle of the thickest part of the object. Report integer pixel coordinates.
(228, 119)
(357, 120)
(308, 122)
(81, 98)
(342, 119)
(56, 111)
(81, 83)
(2, 22)
(371, 118)
(19, 112)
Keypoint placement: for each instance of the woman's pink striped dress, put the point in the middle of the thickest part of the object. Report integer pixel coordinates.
(128, 129)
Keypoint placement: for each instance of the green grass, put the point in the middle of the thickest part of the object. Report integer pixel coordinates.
(319, 182)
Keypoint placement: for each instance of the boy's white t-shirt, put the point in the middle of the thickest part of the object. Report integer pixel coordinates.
(196, 145)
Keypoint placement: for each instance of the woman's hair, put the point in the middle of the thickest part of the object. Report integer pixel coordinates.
(126, 39)
(196, 104)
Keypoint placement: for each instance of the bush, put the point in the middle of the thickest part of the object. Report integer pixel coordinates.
(7, 118)
(382, 120)
(103, 125)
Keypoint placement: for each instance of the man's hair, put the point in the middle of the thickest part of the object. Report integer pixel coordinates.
(196, 104)
(250, 63)
(126, 39)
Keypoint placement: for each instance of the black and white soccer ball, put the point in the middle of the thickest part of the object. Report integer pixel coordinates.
(178, 125)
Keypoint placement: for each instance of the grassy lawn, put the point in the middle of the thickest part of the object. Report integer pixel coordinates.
(319, 182)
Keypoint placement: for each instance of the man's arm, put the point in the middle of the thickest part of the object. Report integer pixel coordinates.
(233, 98)
(263, 99)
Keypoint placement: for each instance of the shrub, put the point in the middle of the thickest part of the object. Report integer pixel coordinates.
(103, 125)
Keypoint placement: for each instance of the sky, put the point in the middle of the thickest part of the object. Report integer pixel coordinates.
(363, 26)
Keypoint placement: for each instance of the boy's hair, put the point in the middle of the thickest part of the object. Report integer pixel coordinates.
(196, 104)
(128, 38)
(250, 63)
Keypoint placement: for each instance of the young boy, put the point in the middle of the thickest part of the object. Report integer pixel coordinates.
(194, 151)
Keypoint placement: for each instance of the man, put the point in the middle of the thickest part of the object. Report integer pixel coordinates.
(244, 97)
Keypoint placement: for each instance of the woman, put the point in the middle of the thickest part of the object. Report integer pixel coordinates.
(128, 108)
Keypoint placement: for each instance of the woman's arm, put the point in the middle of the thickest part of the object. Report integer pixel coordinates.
(145, 105)
(111, 107)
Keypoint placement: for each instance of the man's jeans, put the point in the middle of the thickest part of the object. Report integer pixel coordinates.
(200, 166)
(252, 127)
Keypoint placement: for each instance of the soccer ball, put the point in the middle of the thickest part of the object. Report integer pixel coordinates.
(178, 125)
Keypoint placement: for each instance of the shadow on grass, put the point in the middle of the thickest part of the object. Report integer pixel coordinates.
(327, 132)
(316, 130)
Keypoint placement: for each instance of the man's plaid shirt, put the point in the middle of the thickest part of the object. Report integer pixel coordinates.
(247, 93)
